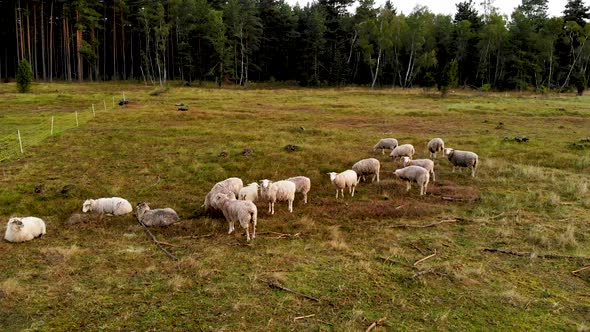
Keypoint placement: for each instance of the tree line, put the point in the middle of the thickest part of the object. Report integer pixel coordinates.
(321, 44)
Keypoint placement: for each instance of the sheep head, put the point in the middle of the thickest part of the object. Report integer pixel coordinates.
(265, 184)
(16, 224)
(405, 161)
(143, 206)
(448, 151)
(332, 175)
(87, 206)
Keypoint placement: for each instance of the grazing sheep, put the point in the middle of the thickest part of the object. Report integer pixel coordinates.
(370, 166)
(406, 150)
(244, 212)
(157, 217)
(385, 143)
(24, 229)
(279, 191)
(435, 145)
(302, 185)
(249, 192)
(347, 179)
(113, 205)
(230, 185)
(460, 158)
(424, 163)
(414, 174)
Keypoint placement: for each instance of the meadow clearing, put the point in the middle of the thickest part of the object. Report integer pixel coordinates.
(351, 254)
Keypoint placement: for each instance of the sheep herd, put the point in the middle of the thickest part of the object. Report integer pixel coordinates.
(237, 202)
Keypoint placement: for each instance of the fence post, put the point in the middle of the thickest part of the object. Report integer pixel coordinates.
(52, 125)
(104, 102)
(20, 141)
(93, 112)
(123, 95)
(76, 118)
(113, 101)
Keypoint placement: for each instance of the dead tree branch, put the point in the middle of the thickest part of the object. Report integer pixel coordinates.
(158, 243)
(532, 254)
(276, 285)
(374, 324)
(425, 258)
(446, 221)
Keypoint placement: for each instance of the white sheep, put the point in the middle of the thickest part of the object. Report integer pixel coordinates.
(156, 217)
(370, 166)
(249, 192)
(21, 229)
(414, 174)
(460, 158)
(302, 185)
(244, 212)
(435, 145)
(113, 205)
(229, 185)
(424, 163)
(406, 150)
(279, 191)
(347, 179)
(385, 143)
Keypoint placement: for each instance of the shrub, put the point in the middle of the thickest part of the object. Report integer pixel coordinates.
(24, 77)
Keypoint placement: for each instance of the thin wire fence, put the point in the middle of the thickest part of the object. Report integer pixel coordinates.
(19, 142)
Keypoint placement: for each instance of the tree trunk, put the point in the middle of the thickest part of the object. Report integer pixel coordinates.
(35, 65)
(43, 42)
(376, 68)
(78, 49)
(51, 20)
(29, 35)
(16, 20)
(123, 40)
(114, 42)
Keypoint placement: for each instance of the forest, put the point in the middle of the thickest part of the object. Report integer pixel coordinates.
(325, 43)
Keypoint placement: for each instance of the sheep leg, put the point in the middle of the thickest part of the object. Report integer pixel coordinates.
(433, 176)
(273, 208)
(352, 189)
(270, 207)
(453, 169)
(290, 205)
(305, 198)
(472, 171)
(336, 193)
(231, 227)
(408, 186)
(382, 151)
(248, 233)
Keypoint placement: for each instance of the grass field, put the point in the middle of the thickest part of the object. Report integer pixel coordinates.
(104, 273)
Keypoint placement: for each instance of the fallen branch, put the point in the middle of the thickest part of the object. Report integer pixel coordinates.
(387, 259)
(274, 284)
(401, 206)
(447, 221)
(587, 267)
(532, 254)
(425, 258)
(167, 244)
(420, 273)
(417, 248)
(157, 242)
(303, 317)
(374, 324)
(197, 236)
(459, 199)
(323, 321)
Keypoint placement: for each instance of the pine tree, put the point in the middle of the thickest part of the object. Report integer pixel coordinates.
(24, 76)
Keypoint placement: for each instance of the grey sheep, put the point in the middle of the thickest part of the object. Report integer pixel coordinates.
(385, 143)
(302, 185)
(414, 174)
(244, 212)
(157, 217)
(435, 145)
(370, 166)
(406, 150)
(460, 158)
(424, 163)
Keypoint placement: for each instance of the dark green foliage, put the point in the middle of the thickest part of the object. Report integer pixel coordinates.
(580, 83)
(24, 77)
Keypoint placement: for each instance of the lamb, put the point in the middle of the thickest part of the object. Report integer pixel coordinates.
(156, 217)
(279, 191)
(414, 174)
(230, 185)
(249, 192)
(113, 205)
(385, 143)
(302, 185)
(347, 179)
(406, 150)
(435, 145)
(244, 212)
(424, 163)
(370, 166)
(462, 159)
(21, 229)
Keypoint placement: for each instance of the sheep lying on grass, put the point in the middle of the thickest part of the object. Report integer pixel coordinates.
(279, 191)
(347, 179)
(385, 143)
(435, 145)
(113, 205)
(460, 158)
(249, 192)
(302, 185)
(230, 185)
(424, 163)
(244, 212)
(157, 217)
(414, 174)
(370, 166)
(24, 229)
(406, 150)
